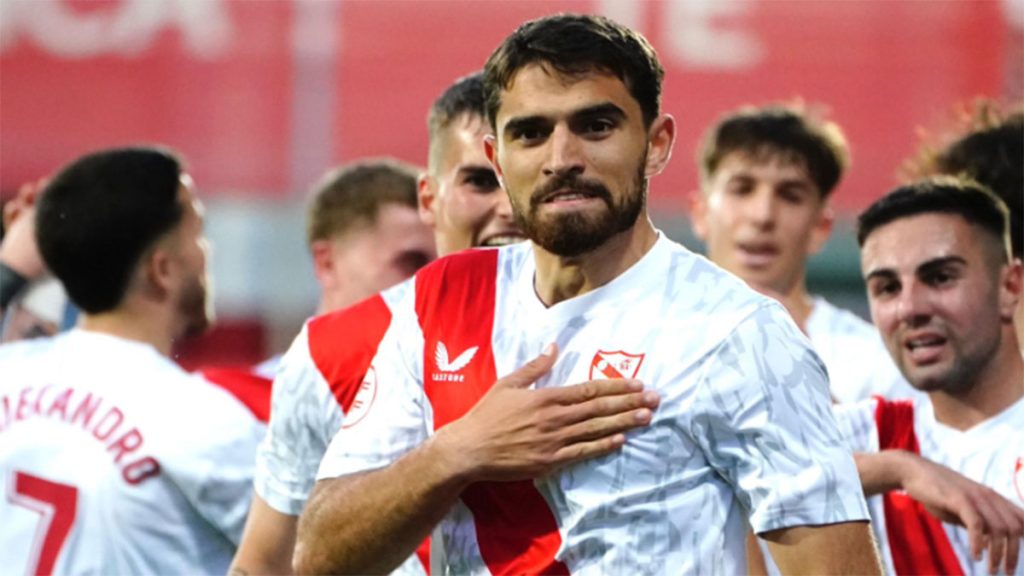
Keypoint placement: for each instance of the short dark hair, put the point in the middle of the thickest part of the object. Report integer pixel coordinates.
(945, 195)
(464, 97)
(100, 214)
(354, 194)
(797, 132)
(989, 148)
(576, 44)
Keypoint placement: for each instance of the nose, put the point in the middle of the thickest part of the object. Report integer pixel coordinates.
(502, 205)
(762, 207)
(565, 153)
(913, 305)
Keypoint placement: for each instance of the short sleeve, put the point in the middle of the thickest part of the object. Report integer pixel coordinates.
(390, 414)
(764, 420)
(857, 425)
(303, 417)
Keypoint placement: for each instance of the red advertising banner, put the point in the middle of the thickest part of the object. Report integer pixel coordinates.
(263, 96)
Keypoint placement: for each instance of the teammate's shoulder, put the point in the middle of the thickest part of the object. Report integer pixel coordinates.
(246, 385)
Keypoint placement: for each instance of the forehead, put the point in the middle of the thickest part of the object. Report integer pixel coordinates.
(765, 165)
(463, 138)
(537, 90)
(906, 243)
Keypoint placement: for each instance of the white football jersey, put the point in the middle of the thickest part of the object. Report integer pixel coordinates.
(859, 366)
(316, 383)
(744, 435)
(990, 453)
(115, 461)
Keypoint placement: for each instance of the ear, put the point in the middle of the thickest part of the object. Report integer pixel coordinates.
(822, 229)
(1011, 288)
(698, 214)
(491, 150)
(158, 273)
(426, 196)
(323, 263)
(661, 137)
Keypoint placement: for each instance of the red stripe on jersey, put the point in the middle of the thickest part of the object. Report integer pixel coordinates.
(342, 344)
(455, 302)
(917, 541)
(248, 387)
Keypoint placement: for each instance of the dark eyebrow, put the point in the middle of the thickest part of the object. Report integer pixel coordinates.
(606, 109)
(926, 267)
(936, 263)
(475, 170)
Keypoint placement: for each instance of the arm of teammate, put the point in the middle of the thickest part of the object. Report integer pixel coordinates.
(370, 522)
(843, 548)
(992, 521)
(267, 542)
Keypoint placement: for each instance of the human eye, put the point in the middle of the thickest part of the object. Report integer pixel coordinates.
(939, 278)
(482, 180)
(881, 288)
(527, 133)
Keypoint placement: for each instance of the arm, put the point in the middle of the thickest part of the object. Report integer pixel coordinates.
(844, 548)
(370, 522)
(267, 542)
(991, 520)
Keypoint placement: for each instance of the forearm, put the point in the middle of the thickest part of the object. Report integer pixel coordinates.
(267, 543)
(883, 471)
(843, 548)
(371, 522)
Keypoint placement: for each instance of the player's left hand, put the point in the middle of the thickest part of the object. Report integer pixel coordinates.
(992, 522)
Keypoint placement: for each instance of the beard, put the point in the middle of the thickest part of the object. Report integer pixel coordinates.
(195, 306)
(575, 233)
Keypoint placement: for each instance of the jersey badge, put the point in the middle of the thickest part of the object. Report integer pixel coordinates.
(363, 400)
(616, 364)
(1018, 478)
(448, 369)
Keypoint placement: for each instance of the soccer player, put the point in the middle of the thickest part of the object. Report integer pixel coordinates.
(459, 197)
(766, 177)
(113, 460)
(20, 262)
(942, 292)
(732, 425)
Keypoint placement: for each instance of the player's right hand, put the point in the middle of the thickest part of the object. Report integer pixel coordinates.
(515, 433)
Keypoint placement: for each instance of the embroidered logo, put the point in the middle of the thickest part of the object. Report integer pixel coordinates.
(447, 369)
(1018, 478)
(616, 364)
(363, 401)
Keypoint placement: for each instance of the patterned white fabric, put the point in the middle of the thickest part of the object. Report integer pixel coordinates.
(859, 366)
(744, 434)
(115, 461)
(990, 453)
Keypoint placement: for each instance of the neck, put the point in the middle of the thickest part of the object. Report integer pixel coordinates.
(147, 326)
(560, 278)
(999, 385)
(795, 299)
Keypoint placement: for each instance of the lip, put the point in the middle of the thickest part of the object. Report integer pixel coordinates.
(567, 195)
(757, 254)
(923, 347)
(502, 238)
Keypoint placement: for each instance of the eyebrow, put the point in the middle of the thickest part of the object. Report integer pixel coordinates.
(926, 266)
(603, 109)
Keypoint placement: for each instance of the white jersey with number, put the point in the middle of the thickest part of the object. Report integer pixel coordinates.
(858, 364)
(990, 453)
(744, 435)
(115, 461)
(316, 382)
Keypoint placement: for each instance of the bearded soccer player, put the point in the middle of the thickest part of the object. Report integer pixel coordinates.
(460, 200)
(731, 426)
(942, 290)
(113, 460)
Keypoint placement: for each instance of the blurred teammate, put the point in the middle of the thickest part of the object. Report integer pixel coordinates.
(113, 460)
(20, 262)
(766, 176)
(515, 476)
(459, 197)
(942, 292)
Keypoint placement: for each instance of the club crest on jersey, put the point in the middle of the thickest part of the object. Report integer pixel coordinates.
(1018, 478)
(616, 364)
(447, 369)
(363, 401)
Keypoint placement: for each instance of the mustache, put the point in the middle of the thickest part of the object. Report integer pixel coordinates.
(570, 181)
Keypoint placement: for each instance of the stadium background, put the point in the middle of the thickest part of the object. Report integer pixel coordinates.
(263, 96)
